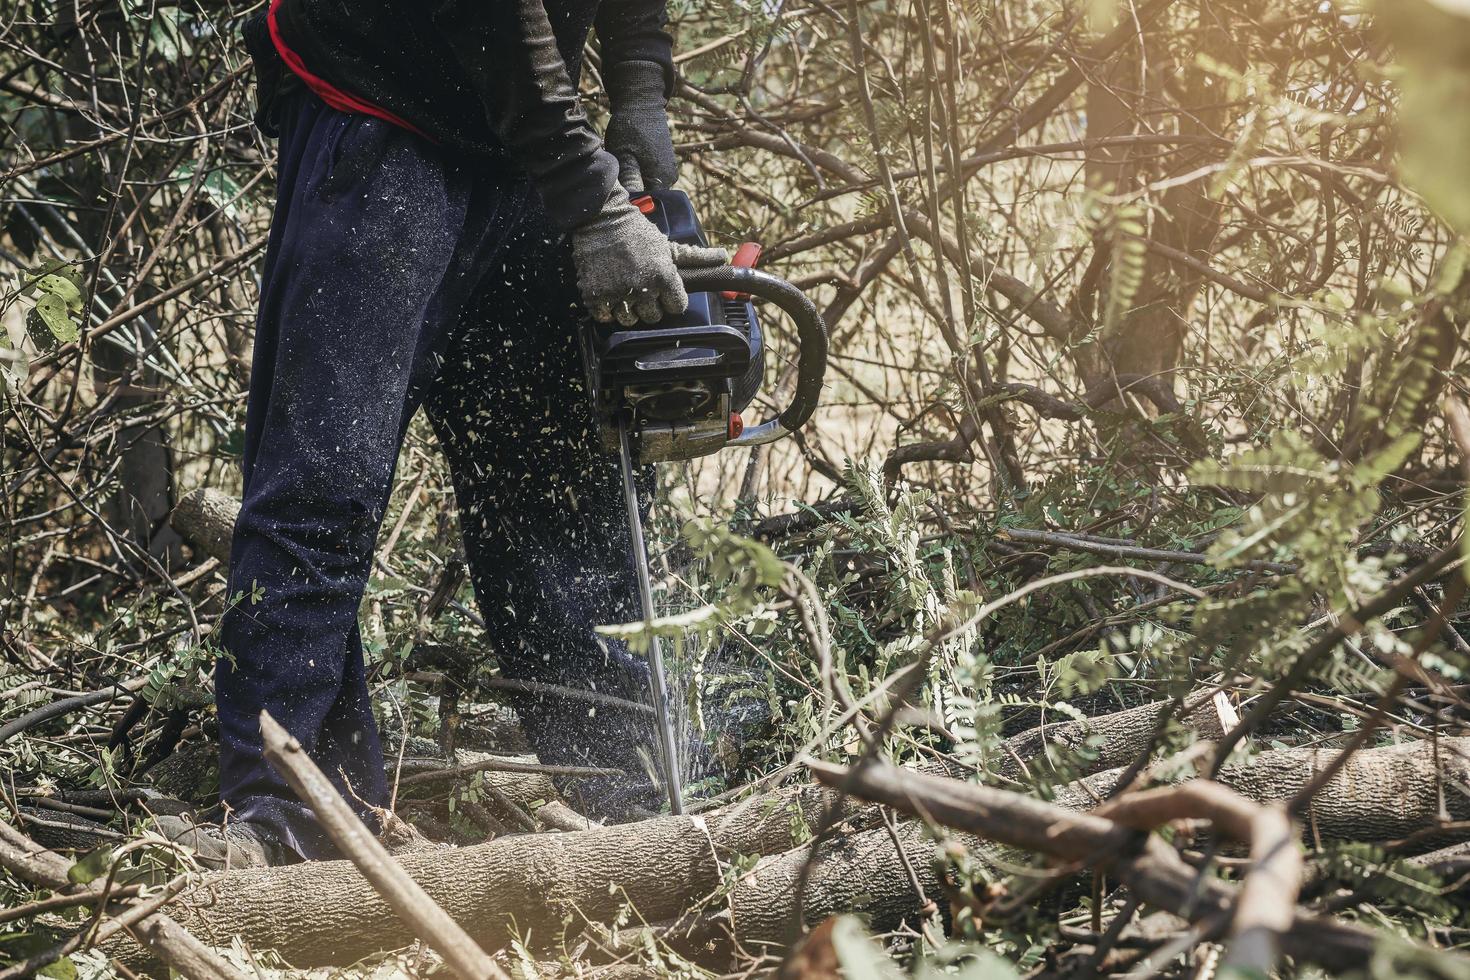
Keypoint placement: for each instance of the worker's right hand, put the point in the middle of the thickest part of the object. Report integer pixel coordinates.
(627, 269)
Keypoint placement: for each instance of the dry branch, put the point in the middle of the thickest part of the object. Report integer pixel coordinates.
(1379, 794)
(402, 893)
(1150, 868)
(1268, 895)
(164, 937)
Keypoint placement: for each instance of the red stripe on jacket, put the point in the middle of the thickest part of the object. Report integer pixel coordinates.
(325, 90)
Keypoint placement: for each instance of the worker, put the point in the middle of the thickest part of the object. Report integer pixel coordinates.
(445, 217)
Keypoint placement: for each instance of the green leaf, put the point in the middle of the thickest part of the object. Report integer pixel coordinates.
(1288, 464)
(980, 964)
(93, 865)
(30, 280)
(705, 617)
(1388, 459)
(62, 969)
(52, 311)
(169, 40)
(858, 955)
(62, 288)
(218, 186)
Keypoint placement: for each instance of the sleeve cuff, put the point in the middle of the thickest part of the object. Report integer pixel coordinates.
(574, 194)
(656, 47)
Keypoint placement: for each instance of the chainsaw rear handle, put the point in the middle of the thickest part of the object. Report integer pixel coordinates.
(811, 335)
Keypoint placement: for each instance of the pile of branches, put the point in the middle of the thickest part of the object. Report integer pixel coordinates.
(1210, 842)
(699, 898)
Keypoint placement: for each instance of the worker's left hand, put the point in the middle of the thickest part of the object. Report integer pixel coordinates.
(638, 132)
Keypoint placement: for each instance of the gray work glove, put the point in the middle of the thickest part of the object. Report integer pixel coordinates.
(628, 270)
(638, 131)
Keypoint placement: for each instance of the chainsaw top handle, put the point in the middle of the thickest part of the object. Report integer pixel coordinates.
(811, 335)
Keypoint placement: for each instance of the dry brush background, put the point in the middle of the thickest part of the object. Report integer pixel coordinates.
(1109, 619)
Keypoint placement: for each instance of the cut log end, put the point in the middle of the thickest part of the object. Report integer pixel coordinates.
(206, 517)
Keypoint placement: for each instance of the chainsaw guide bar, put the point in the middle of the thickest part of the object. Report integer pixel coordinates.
(676, 389)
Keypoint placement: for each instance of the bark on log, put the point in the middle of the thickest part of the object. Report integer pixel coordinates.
(859, 873)
(1380, 794)
(1118, 738)
(207, 518)
(324, 913)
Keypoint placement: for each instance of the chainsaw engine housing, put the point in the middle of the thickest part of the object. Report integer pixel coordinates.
(683, 381)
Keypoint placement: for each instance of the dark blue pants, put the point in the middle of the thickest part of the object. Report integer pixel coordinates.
(400, 276)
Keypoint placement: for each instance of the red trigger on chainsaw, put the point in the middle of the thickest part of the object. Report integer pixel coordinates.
(746, 256)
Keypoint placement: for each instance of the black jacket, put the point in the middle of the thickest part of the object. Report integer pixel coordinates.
(495, 78)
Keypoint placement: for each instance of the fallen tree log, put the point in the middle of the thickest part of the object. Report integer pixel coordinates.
(535, 882)
(323, 913)
(665, 866)
(1380, 794)
(1117, 738)
(539, 886)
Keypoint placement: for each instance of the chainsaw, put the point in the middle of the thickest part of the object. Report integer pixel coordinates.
(676, 390)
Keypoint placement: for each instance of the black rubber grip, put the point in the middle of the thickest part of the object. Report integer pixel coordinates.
(811, 332)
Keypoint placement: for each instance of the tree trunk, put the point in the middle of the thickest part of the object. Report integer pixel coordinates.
(1148, 338)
